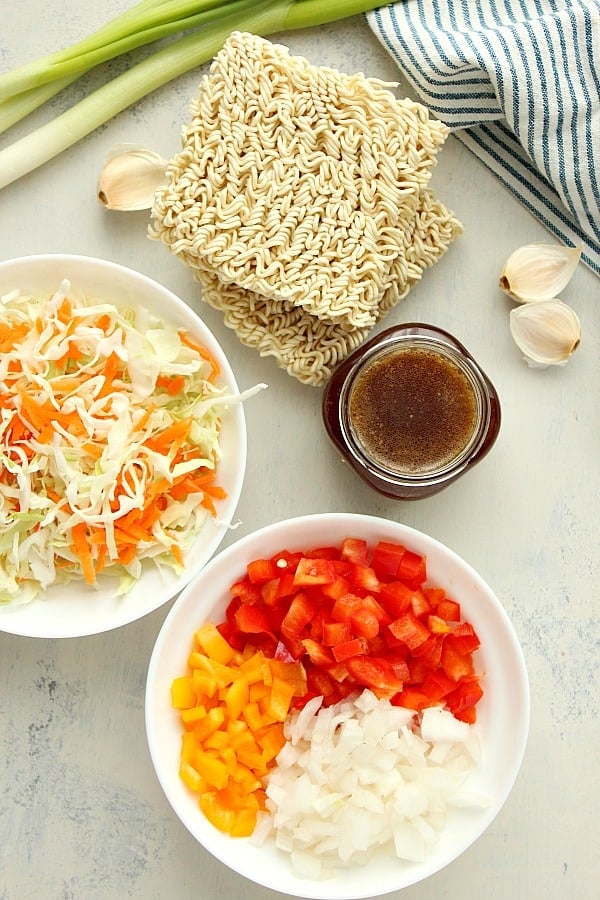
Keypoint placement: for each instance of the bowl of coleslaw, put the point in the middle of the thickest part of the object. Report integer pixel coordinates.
(122, 442)
(382, 761)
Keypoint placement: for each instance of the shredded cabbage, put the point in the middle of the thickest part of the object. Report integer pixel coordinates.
(84, 398)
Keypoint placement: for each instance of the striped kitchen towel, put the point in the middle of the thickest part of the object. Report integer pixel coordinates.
(518, 81)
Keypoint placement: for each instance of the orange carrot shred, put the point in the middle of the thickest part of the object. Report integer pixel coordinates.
(81, 548)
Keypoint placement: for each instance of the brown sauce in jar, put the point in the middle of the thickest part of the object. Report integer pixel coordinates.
(412, 410)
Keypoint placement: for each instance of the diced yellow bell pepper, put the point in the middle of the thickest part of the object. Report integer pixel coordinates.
(252, 716)
(193, 714)
(233, 705)
(244, 823)
(210, 640)
(191, 777)
(270, 739)
(221, 818)
(204, 682)
(211, 721)
(236, 697)
(211, 768)
(183, 695)
(258, 691)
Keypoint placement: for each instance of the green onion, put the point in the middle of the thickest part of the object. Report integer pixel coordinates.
(209, 23)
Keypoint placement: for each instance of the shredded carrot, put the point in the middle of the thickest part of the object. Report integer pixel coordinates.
(173, 384)
(203, 352)
(65, 311)
(11, 335)
(111, 370)
(73, 353)
(177, 554)
(81, 549)
(171, 438)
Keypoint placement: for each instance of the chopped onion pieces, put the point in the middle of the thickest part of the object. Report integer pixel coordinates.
(363, 774)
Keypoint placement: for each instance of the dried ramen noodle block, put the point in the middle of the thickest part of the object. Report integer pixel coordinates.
(300, 202)
(309, 348)
(296, 182)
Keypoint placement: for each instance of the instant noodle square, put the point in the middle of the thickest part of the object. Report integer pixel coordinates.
(307, 347)
(296, 182)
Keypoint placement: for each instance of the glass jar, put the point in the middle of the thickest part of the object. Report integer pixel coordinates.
(411, 411)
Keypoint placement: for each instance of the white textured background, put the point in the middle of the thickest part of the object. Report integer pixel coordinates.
(81, 813)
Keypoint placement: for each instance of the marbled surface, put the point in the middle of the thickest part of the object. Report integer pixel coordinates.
(82, 816)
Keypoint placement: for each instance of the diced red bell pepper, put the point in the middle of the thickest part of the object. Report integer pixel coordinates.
(396, 598)
(261, 570)
(468, 715)
(286, 587)
(331, 553)
(407, 628)
(269, 591)
(250, 618)
(320, 683)
(434, 596)
(344, 606)
(245, 591)
(375, 673)
(313, 571)
(364, 578)
(449, 610)
(437, 685)
(468, 692)
(400, 667)
(378, 646)
(358, 621)
(348, 649)
(411, 698)
(430, 651)
(437, 625)
(287, 560)
(420, 604)
(413, 568)
(456, 665)
(418, 671)
(338, 588)
(464, 638)
(318, 654)
(299, 613)
(386, 559)
(232, 635)
(364, 623)
(355, 550)
(336, 633)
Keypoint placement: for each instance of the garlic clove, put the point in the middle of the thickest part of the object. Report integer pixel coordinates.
(538, 271)
(547, 332)
(130, 178)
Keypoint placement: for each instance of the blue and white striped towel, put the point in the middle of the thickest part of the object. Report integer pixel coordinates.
(519, 82)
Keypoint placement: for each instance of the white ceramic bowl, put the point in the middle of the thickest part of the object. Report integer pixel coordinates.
(503, 713)
(75, 609)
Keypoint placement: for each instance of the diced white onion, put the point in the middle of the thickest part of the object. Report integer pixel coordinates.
(363, 774)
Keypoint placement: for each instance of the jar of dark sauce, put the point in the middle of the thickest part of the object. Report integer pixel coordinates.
(411, 411)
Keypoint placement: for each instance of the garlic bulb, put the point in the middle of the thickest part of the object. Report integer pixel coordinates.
(130, 178)
(538, 271)
(547, 332)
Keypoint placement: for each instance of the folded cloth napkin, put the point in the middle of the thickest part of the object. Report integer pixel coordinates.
(519, 85)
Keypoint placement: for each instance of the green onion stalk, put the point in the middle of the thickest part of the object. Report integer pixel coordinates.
(203, 26)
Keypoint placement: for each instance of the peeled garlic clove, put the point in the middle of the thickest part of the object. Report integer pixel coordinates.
(547, 332)
(538, 271)
(130, 179)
